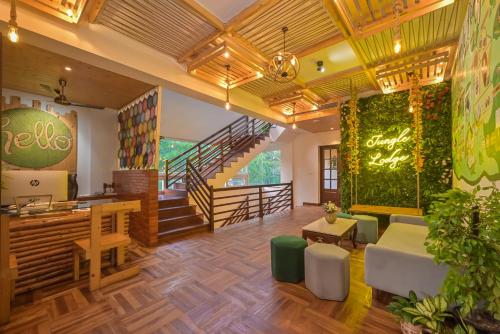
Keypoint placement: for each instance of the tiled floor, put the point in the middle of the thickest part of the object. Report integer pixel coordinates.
(213, 283)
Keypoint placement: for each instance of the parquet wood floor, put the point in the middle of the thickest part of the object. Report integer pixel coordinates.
(207, 283)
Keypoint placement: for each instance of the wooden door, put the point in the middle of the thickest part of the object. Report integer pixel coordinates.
(329, 174)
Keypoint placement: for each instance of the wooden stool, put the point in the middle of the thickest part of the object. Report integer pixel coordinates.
(91, 248)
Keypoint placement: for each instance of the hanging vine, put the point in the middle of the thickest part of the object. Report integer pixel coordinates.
(416, 102)
(353, 143)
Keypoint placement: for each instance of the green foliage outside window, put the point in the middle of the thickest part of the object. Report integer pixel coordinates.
(265, 168)
(170, 148)
(388, 114)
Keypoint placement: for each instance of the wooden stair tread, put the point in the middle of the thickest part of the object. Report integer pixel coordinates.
(108, 241)
(162, 236)
(181, 217)
(178, 207)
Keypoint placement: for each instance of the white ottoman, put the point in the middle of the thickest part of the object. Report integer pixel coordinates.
(327, 271)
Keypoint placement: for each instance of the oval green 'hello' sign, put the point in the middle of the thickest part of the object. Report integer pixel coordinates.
(32, 138)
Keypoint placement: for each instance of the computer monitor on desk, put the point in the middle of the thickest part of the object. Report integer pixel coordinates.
(35, 183)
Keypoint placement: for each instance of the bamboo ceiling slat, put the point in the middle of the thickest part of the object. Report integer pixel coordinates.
(169, 26)
(265, 86)
(426, 32)
(308, 24)
(342, 87)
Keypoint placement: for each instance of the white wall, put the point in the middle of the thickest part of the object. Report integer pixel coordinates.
(186, 118)
(97, 141)
(305, 150)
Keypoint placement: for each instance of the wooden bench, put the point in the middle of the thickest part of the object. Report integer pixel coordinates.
(385, 210)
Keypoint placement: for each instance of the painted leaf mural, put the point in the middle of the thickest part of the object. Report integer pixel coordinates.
(475, 95)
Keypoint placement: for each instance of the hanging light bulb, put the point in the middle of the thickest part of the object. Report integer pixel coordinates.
(228, 105)
(397, 29)
(397, 40)
(294, 126)
(12, 30)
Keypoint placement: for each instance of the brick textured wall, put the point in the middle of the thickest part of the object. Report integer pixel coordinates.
(143, 185)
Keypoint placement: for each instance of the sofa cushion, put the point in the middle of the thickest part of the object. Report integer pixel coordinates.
(405, 238)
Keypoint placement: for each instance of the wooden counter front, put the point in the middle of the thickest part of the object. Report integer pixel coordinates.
(43, 246)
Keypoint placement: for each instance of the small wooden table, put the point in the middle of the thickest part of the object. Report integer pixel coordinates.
(385, 210)
(321, 231)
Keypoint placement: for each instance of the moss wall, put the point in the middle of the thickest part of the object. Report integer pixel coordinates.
(387, 116)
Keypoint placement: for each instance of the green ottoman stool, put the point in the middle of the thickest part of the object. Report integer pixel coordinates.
(287, 258)
(367, 229)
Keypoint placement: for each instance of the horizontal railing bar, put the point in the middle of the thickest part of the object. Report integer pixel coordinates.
(244, 214)
(249, 187)
(245, 200)
(204, 141)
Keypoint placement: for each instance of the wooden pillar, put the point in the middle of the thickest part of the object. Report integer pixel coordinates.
(4, 270)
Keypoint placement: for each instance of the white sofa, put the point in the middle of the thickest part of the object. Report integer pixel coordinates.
(398, 262)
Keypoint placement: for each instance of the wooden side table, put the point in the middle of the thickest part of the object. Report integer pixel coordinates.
(321, 231)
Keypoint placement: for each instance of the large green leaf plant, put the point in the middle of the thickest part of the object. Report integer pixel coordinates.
(469, 246)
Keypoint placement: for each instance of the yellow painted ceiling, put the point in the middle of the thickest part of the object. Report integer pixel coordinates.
(336, 58)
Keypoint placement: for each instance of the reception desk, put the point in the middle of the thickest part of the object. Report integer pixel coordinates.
(43, 246)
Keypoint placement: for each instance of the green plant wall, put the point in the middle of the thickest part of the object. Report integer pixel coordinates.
(387, 116)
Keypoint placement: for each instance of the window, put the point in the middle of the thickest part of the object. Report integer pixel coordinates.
(265, 168)
(170, 148)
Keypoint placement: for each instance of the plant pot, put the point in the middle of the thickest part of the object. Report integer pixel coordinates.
(483, 322)
(330, 218)
(409, 328)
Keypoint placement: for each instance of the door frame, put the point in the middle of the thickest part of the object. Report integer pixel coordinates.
(320, 172)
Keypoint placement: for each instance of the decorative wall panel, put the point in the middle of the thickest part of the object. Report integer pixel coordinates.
(138, 132)
(37, 139)
(476, 99)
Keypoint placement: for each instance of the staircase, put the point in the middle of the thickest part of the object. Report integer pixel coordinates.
(185, 209)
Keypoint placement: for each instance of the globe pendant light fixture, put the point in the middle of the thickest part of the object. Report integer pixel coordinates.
(12, 30)
(228, 105)
(284, 66)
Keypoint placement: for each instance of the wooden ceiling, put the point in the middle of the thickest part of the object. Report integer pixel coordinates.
(26, 68)
(201, 41)
(67, 10)
(171, 26)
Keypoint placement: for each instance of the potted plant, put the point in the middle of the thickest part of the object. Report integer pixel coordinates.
(431, 312)
(464, 233)
(330, 212)
(399, 307)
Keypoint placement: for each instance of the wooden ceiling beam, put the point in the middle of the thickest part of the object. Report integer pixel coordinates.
(242, 17)
(333, 11)
(199, 45)
(312, 114)
(335, 76)
(415, 11)
(58, 8)
(95, 10)
(207, 56)
(206, 14)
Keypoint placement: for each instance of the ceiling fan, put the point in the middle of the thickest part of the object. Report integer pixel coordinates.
(61, 99)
